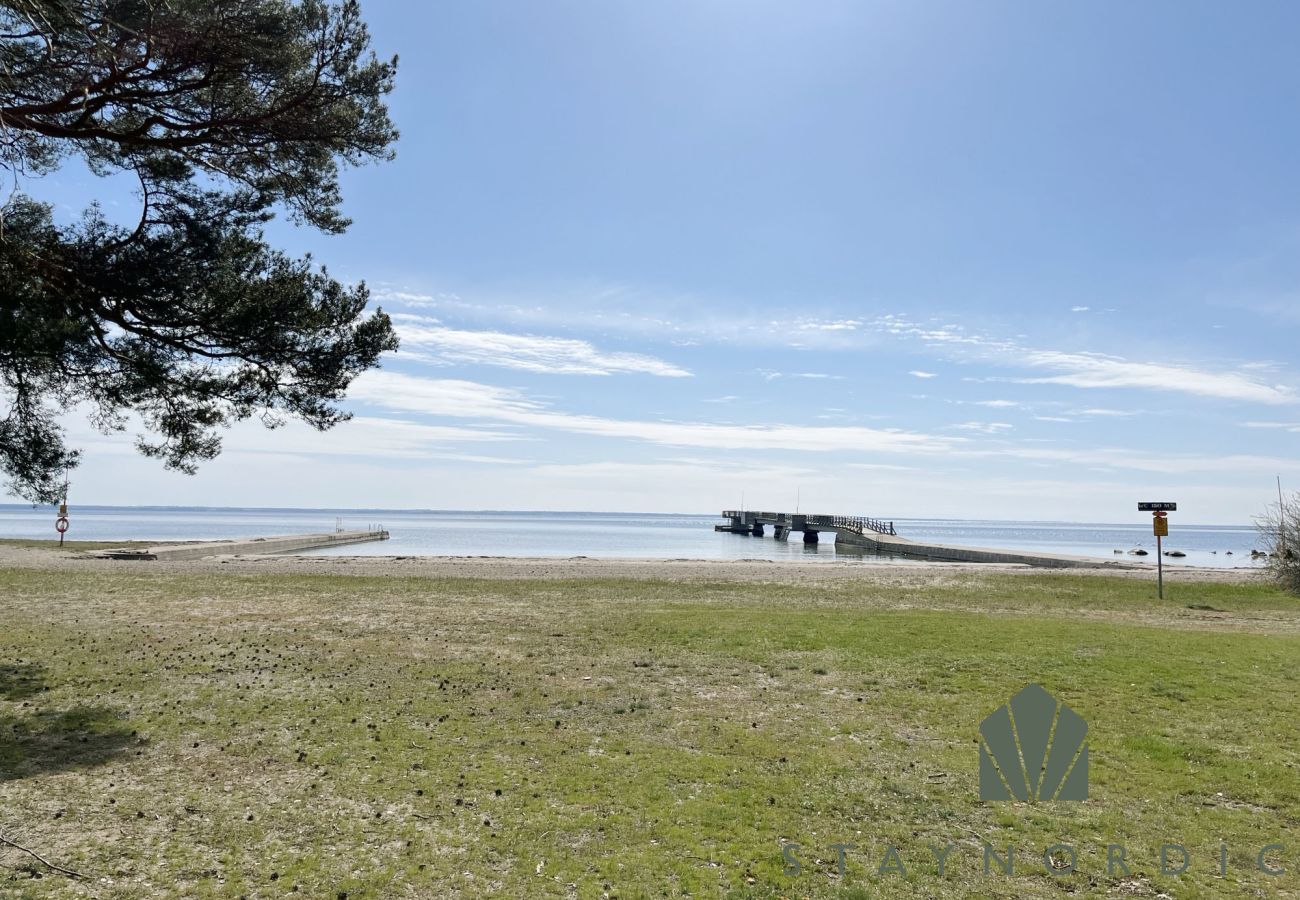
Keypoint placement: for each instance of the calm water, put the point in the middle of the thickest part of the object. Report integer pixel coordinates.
(450, 533)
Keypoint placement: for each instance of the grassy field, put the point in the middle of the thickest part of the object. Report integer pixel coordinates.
(213, 735)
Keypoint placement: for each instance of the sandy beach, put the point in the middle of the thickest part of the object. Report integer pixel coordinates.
(583, 567)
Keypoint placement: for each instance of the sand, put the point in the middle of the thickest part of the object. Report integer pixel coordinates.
(581, 567)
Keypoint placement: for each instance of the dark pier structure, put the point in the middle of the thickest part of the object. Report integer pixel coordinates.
(879, 536)
(809, 525)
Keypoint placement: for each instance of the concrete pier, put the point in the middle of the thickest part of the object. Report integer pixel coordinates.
(897, 546)
(879, 536)
(288, 543)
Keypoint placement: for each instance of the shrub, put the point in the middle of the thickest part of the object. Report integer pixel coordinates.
(1280, 530)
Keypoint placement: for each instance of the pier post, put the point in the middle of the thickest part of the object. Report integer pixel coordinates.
(809, 537)
(758, 529)
(780, 532)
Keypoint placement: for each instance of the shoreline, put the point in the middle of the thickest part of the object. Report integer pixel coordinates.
(589, 567)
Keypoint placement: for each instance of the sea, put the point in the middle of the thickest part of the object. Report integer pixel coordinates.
(615, 534)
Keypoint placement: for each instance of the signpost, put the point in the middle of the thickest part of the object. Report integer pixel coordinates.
(1159, 510)
(61, 523)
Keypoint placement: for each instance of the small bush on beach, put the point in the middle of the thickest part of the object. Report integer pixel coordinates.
(1280, 528)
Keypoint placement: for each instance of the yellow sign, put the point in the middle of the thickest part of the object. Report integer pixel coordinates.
(1160, 527)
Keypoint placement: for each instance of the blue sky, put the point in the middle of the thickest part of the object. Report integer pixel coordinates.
(996, 260)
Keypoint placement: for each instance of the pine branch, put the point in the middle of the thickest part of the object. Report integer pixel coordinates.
(57, 868)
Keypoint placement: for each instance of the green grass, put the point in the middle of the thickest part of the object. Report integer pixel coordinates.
(209, 735)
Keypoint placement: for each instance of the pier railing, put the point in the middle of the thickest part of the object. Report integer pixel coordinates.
(754, 514)
(856, 524)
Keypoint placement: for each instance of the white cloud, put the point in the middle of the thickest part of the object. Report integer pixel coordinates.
(695, 485)
(472, 400)
(1096, 411)
(1093, 370)
(882, 467)
(362, 436)
(1163, 463)
(563, 356)
(984, 427)
(668, 470)
(408, 298)
(641, 314)
(948, 335)
(824, 325)
(414, 318)
(1293, 427)
(1005, 404)
(1075, 369)
(1079, 309)
(772, 375)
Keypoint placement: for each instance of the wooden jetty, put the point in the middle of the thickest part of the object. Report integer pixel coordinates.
(757, 523)
(880, 536)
